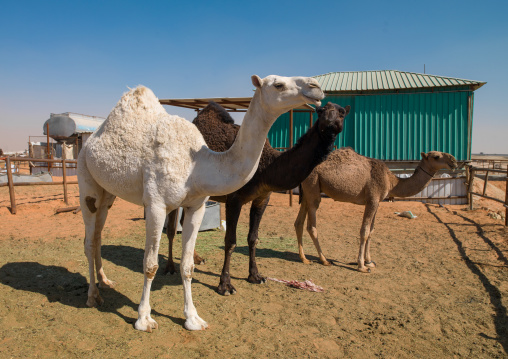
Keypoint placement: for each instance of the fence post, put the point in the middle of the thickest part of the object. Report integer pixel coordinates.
(471, 180)
(486, 183)
(11, 185)
(291, 146)
(49, 152)
(64, 173)
(506, 201)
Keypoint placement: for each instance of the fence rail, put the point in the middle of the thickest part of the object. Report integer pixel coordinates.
(11, 184)
(471, 176)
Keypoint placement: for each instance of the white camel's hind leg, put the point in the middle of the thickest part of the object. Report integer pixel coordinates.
(95, 203)
(155, 216)
(191, 223)
(100, 219)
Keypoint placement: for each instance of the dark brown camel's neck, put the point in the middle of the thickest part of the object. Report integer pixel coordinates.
(407, 187)
(291, 167)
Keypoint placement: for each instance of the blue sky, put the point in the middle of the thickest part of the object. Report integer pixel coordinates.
(80, 56)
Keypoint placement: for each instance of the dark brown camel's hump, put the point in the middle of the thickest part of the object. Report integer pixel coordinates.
(219, 131)
(217, 127)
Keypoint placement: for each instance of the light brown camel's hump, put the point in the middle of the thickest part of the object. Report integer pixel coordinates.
(347, 176)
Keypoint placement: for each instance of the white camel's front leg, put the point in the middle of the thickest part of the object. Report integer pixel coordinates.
(155, 216)
(191, 223)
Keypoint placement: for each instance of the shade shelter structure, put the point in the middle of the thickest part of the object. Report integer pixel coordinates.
(238, 104)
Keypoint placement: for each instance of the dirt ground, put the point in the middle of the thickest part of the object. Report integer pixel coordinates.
(440, 288)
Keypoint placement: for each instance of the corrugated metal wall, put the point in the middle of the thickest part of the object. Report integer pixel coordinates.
(394, 126)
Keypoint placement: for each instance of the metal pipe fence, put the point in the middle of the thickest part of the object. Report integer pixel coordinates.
(471, 173)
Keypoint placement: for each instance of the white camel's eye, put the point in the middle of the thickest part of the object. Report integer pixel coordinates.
(279, 86)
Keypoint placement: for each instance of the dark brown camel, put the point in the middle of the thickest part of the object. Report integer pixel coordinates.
(277, 171)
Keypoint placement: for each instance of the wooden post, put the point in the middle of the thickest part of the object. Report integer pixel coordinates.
(48, 151)
(468, 180)
(506, 201)
(11, 185)
(291, 129)
(64, 173)
(291, 146)
(470, 191)
(485, 184)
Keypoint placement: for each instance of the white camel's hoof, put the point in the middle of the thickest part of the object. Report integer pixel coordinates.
(146, 324)
(364, 269)
(195, 323)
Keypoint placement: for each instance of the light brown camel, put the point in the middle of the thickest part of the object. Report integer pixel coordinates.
(347, 176)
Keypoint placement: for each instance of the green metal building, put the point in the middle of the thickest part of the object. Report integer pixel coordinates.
(394, 115)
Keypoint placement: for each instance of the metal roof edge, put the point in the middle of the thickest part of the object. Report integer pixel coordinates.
(445, 81)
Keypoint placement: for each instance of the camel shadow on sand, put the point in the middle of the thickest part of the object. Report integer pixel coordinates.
(132, 258)
(500, 318)
(291, 257)
(68, 288)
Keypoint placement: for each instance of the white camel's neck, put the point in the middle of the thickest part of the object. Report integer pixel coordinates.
(407, 187)
(228, 171)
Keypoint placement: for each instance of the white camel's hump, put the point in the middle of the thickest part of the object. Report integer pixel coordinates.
(138, 133)
(138, 101)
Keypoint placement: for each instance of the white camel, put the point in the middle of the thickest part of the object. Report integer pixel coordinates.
(150, 158)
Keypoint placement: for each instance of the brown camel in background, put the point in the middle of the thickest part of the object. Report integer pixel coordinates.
(277, 171)
(347, 176)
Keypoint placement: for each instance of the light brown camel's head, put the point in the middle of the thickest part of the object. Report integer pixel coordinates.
(435, 161)
(279, 94)
(331, 118)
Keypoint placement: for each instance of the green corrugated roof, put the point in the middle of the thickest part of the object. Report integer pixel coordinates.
(388, 80)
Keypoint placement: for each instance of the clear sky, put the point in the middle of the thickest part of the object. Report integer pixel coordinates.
(80, 56)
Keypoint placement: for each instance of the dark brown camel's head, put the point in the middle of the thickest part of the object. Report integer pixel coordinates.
(435, 160)
(331, 117)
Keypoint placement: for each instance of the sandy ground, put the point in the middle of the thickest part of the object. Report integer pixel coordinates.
(440, 288)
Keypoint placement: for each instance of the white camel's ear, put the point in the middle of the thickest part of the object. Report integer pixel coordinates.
(347, 108)
(256, 81)
(424, 155)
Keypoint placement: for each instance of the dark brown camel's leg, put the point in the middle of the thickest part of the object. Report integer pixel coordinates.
(368, 217)
(256, 213)
(300, 221)
(312, 229)
(171, 233)
(233, 208)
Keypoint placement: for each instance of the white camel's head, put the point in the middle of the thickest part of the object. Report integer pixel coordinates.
(279, 94)
(435, 160)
